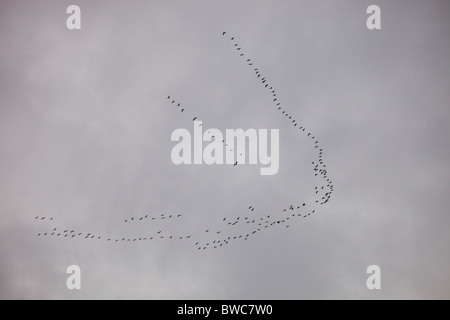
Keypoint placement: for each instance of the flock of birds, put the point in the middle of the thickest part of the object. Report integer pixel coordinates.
(227, 232)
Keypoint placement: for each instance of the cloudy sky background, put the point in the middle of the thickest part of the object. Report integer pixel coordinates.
(85, 138)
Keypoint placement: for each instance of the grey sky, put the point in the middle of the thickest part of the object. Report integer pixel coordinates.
(85, 138)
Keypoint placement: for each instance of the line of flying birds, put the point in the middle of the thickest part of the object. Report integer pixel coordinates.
(226, 233)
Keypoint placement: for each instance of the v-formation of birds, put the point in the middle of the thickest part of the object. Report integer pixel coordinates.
(226, 232)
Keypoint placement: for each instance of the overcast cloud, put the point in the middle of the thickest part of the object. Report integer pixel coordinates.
(85, 132)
